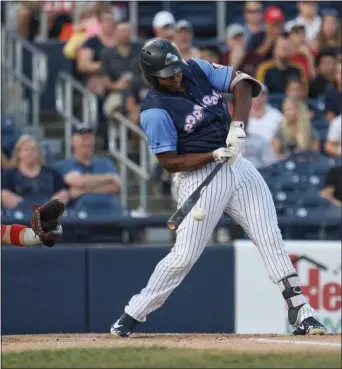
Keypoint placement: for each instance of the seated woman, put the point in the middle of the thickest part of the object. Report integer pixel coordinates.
(295, 133)
(29, 179)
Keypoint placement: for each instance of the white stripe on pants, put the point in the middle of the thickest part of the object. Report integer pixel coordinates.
(238, 190)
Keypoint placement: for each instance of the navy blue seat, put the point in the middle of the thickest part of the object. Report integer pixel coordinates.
(97, 203)
(312, 201)
(334, 161)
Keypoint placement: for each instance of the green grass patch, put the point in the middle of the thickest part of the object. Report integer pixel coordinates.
(162, 357)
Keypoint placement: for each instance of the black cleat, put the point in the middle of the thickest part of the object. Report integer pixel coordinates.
(124, 326)
(310, 326)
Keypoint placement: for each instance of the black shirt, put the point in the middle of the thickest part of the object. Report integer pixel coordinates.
(276, 79)
(333, 101)
(318, 86)
(48, 182)
(256, 41)
(114, 64)
(334, 179)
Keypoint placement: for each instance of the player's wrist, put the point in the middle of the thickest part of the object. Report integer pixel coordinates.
(238, 124)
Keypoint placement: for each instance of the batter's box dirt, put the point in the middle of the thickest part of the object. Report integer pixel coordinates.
(236, 342)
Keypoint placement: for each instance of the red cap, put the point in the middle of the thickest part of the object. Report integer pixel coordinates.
(273, 14)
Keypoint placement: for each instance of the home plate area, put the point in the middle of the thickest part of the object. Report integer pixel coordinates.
(235, 342)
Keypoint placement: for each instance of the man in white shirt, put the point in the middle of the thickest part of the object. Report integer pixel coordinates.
(264, 120)
(333, 141)
(308, 17)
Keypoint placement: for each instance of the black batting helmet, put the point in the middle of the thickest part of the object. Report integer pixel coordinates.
(161, 58)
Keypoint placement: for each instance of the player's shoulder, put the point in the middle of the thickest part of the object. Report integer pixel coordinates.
(152, 100)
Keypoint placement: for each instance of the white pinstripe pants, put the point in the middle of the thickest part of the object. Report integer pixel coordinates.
(241, 192)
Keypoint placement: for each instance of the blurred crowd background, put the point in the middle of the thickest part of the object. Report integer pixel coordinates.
(72, 87)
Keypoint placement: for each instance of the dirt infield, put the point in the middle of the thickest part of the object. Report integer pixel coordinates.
(244, 343)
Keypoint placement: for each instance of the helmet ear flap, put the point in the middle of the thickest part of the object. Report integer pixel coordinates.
(152, 80)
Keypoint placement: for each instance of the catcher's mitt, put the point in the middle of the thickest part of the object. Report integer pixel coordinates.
(45, 222)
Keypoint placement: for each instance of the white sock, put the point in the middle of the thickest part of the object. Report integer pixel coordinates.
(30, 238)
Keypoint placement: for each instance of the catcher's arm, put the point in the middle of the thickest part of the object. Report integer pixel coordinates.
(18, 235)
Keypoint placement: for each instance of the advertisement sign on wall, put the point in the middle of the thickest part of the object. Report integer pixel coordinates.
(259, 305)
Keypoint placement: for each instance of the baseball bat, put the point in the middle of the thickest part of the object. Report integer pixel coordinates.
(178, 217)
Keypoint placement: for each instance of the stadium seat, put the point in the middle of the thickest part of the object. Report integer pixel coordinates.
(97, 203)
(312, 201)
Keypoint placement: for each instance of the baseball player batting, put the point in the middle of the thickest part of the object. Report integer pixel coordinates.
(189, 129)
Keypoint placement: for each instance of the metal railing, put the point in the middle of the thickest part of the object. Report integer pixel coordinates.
(119, 128)
(66, 90)
(21, 93)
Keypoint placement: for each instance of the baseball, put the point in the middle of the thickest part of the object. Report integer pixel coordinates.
(198, 214)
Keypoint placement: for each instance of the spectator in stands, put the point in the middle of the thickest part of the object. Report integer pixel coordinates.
(264, 120)
(211, 53)
(183, 36)
(253, 16)
(258, 151)
(295, 133)
(324, 65)
(276, 72)
(135, 95)
(121, 64)
(28, 16)
(333, 142)
(92, 179)
(238, 56)
(330, 32)
(88, 56)
(302, 56)
(29, 179)
(333, 97)
(308, 17)
(295, 89)
(163, 25)
(263, 42)
(86, 25)
(332, 189)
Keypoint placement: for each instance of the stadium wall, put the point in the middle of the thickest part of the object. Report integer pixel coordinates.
(78, 289)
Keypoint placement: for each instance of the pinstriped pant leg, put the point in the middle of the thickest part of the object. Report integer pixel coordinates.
(253, 208)
(192, 237)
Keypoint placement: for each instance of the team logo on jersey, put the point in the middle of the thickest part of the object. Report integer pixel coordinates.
(197, 115)
(170, 58)
(217, 66)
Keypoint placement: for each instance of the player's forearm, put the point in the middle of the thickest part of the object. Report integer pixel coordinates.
(242, 101)
(18, 235)
(186, 162)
